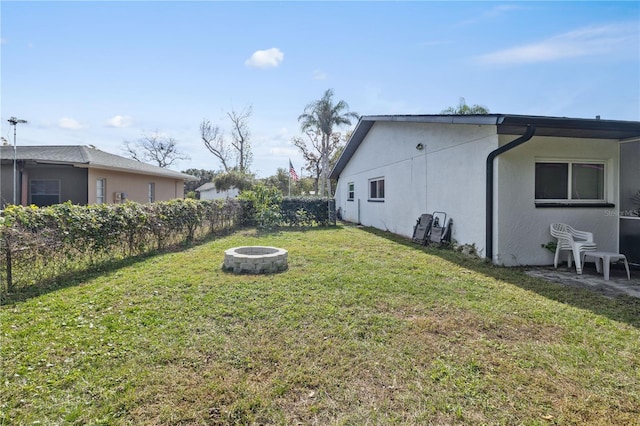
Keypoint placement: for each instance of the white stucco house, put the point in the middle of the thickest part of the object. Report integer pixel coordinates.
(503, 179)
(208, 191)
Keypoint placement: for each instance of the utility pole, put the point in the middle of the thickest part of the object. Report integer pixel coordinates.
(14, 122)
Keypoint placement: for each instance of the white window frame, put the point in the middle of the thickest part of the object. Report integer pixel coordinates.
(376, 196)
(570, 199)
(351, 191)
(101, 198)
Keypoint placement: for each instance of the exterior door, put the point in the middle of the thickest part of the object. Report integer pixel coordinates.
(630, 201)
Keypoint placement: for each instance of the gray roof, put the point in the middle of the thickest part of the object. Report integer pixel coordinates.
(509, 124)
(85, 156)
(206, 187)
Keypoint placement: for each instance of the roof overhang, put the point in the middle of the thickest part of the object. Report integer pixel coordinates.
(505, 125)
(177, 176)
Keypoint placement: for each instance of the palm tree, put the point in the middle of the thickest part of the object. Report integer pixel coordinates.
(322, 115)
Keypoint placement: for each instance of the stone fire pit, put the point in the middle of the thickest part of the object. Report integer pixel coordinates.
(255, 260)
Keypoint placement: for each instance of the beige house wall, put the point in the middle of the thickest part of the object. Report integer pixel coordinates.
(135, 186)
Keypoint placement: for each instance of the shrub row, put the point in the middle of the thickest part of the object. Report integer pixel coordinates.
(40, 244)
(307, 211)
(37, 244)
(269, 209)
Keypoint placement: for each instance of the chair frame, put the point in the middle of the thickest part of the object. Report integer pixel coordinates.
(574, 241)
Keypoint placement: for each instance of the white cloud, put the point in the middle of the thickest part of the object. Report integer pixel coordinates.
(70, 124)
(319, 75)
(588, 41)
(120, 121)
(269, 58)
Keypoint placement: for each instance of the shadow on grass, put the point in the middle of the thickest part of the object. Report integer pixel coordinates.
(622, 308)
(74, 278)
(261, 232)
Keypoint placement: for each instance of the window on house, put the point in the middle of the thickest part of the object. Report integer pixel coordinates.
(351, 191)
(45, 192)
(570, 181)
(101, 187)
(152, 192)
(376, 189)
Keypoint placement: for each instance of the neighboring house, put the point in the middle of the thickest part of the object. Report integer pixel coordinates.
(83, 175)
(503, 179)
(208, 191)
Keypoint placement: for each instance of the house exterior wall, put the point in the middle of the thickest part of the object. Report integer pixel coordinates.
(214, 194)
(520, 228)
(135, 186)
(448, 175)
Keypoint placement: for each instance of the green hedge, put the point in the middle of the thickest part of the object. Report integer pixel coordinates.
(37, 244)
(307, 211)
(41, 244)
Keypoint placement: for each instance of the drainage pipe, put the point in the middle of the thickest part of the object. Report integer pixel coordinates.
(531, 129)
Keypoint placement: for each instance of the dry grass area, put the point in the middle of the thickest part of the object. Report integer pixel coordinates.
(363, 328)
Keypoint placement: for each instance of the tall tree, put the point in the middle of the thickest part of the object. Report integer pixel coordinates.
(464, 109)
(234, 179)
(311, 153)
(240, 137)
(239, 146)
(155, 148)
(321, 116)
(311, 150)
(214, 141)
(281, 180)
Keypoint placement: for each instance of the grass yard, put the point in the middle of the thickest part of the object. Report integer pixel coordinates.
(363, 328)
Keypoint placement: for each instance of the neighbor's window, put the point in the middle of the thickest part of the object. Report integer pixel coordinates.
(376, 189)
(570, 181)
(152, 192)
(350, 191)
(45, 192)
(101, 186)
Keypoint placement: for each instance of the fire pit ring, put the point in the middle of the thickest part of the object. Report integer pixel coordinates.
(255, 260)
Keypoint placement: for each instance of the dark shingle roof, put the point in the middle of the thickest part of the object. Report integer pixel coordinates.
(79, 155)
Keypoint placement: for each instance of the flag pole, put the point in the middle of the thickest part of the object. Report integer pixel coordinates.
(289, 174)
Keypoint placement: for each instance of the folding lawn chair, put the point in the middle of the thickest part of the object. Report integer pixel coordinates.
(422, 228)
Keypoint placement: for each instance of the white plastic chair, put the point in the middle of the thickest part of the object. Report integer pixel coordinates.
(574, 241)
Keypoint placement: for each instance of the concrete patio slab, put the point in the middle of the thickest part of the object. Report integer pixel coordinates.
(618, 284)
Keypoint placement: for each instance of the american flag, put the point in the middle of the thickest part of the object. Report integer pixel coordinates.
(292, 172)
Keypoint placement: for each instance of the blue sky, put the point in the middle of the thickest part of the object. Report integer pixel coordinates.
(100, 73)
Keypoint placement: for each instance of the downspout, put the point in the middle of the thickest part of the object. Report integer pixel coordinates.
(531, 129)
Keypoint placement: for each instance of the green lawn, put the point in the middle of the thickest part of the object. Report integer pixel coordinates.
(363, 328)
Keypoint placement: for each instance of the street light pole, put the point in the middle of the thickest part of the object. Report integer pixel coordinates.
(14, 122)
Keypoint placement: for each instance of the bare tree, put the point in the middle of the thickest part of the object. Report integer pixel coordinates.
(239, 146)
(312, 151)
(215, 143)
(311, 157)
(155, 148)
(240, 137)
